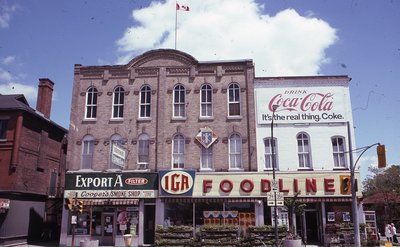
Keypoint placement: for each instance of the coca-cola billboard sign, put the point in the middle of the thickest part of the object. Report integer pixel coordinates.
(308, 105)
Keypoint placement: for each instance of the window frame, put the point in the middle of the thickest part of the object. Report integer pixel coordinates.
(118, 103)
(206, 101)
(235, 156)
(87, 152)
(145, 102)
(268, 163)
(304, 155)
(116, 139)
(234, 100)
(206, 158)
(91, 103)
(178, 151)
(179, 101)
(3, 128)
(143, 141)
(339, 156)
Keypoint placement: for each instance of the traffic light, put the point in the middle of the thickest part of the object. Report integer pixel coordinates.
(345, 185)
(68, 204)
(80, 206)
(381, 152)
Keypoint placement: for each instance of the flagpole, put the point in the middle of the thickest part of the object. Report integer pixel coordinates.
(176, 21)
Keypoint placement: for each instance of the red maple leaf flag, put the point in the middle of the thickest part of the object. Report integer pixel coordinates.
(182, 7)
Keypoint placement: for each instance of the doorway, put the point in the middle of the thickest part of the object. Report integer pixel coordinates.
(108, 226)
(312, 226)
(149, 224)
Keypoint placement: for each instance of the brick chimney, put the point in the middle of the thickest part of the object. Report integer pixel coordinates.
(45, 94)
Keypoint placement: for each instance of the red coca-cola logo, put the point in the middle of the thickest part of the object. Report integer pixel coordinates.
(309, 102)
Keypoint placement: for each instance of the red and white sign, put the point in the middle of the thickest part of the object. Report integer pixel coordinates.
(302, 105)
(176, 182)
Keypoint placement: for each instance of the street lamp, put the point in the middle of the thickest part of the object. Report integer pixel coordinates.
(274, 107)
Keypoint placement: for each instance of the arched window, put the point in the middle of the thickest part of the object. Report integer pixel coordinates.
(206, 101)
(143, 151)
(118, 103)
(234, 100)
(117, 152)
(178, 151)
(235, 151)
(87, 152)
(270, 156)
(303, 150)
(145, 102)
(91, 103)
(179, 101)
(339, 147)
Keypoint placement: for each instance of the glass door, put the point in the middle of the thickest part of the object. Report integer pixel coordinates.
(108, 225)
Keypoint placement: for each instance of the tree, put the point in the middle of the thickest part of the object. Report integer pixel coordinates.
(384, 185)
(294, 207)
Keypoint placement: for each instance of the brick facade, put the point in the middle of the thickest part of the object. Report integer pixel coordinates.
(161, 70)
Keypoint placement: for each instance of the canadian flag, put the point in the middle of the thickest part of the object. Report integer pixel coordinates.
(182, 7)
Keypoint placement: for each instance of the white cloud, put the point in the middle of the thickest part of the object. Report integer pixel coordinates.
(284, 44)
(30, 92)
(7, 60)
(5, 15)
(5, 75)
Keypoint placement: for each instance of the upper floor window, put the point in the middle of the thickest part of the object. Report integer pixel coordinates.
(270, 156)
(3, 128)
(117, 152)
(234, 100)
(91, 103)
(303, 150)
(143, 151)
(179, 101)
(145, 102)
(118, 103)
(206, 101)
(178, 151)
(338, 146)
(206, 157)
(235, 151)
(87, 152)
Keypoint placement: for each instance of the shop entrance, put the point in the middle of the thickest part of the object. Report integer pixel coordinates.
(149, 223)
(312, 226)
(108, 226)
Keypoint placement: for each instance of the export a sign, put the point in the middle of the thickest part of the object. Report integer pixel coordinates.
(176, 182)
(301, 105)
(111, 185)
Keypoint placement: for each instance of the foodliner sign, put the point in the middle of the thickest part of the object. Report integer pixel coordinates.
(111, 185)
(302, 105)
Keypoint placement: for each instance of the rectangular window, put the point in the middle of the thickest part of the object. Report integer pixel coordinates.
(234, 100)
(178, 153)
(3, 128)
(145, 102)
(268, 153)
(53, 184)
(339, 157)
(143, 151)
(206, 158)
(179, 101)
(206, 101)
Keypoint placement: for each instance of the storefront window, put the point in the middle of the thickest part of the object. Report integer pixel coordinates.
(179, 213)
(96, 221)
(127, 220)
(81, 223)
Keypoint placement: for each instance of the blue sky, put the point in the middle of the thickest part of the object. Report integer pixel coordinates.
(358, 38)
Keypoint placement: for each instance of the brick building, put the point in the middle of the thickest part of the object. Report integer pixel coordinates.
(169, 139)
(163, 111)
(32, 165)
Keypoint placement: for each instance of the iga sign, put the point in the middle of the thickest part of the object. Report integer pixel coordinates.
(176, 182)
(302, 105)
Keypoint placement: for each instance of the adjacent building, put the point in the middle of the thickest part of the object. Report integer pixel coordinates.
(167, 139)
(32, 165)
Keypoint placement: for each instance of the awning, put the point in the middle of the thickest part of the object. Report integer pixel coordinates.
(253, 199)
(108, 202)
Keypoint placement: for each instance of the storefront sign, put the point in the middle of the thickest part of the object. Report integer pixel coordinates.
(320, 184)
(111, 185)
(302, 105)
(176, 182)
